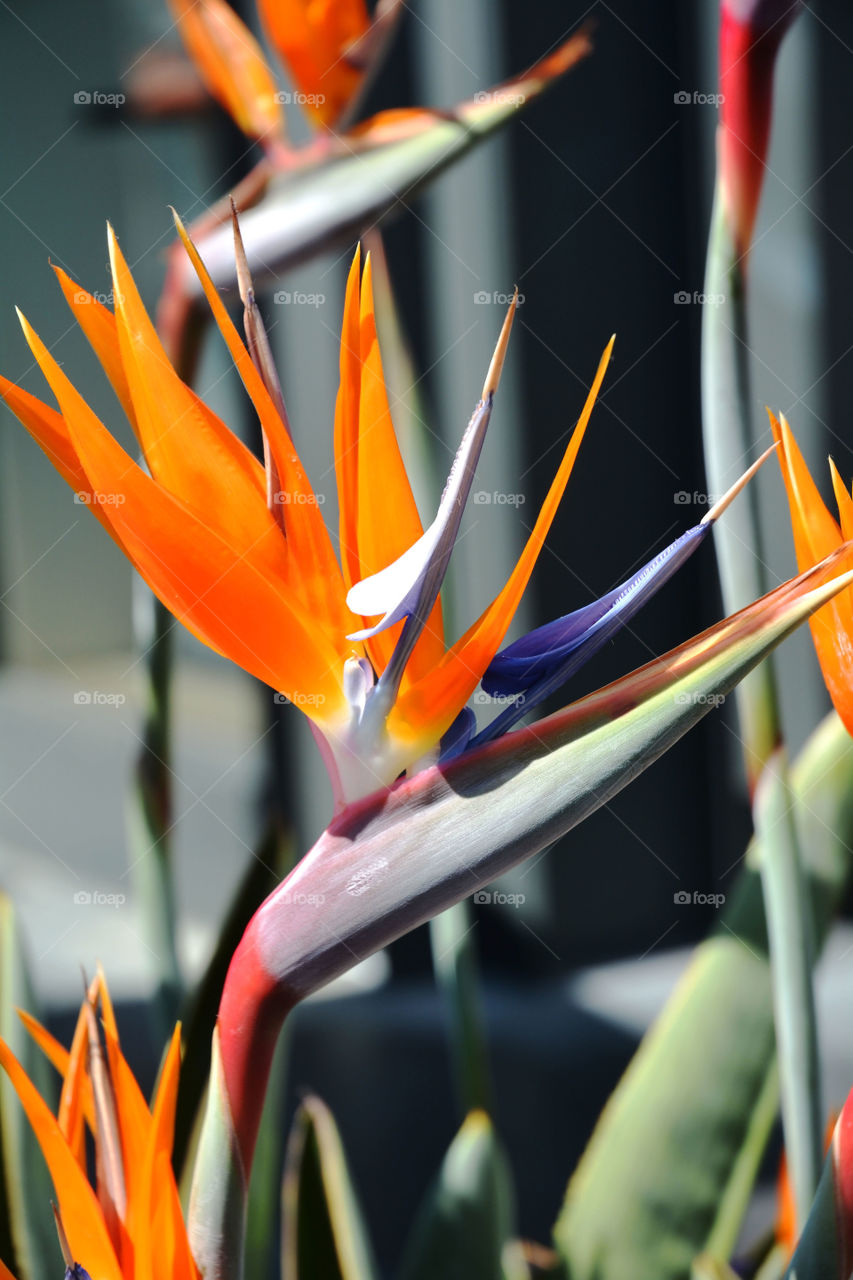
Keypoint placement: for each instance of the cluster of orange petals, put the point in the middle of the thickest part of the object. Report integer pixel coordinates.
(264, 586)
(147, 1239)
(816, 534)
(317, 41)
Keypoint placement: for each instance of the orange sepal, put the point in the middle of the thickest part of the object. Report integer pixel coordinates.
(427, 709)
(48, 429)
(99, 325)
(153, 1196)
(317, 575)
(81, 1213)
(207, 583)
(76, 1102)
(312, 38)
(816, 533)
(189, 450)
(232, 65)
(378, 508)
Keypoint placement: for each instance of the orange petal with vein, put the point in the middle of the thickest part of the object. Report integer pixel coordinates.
(319, 578)
(48, 429)
(81, 1212)
(99, 325)
(201, 578)
(427, 709)
(148, 1265)
(232, 65)
(76, 1102)
(189, 450)
(387, 519)
(312, 38)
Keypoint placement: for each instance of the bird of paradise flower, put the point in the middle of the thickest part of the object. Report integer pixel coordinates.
(240, 553)
(130, 1224)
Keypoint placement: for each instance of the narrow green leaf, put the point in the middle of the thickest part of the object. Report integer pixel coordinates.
(670, 1167)
(323, 1232)
(27, 1242)
(263, 1222)
(465, 1228)
(454, 960)
(790, 933)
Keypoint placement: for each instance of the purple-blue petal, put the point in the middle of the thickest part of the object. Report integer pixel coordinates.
(537, 665)
(454, 742)
(539, 652)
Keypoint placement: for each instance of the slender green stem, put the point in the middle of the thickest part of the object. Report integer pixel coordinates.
(792, 952)
(729, 441)
(150, 810)
(729, 444)
(454, 958)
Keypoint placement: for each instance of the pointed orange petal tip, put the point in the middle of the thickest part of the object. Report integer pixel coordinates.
(493, 377)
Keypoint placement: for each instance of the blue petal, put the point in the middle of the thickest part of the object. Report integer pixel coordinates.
(458, 735)
(540, 652)
(540, 662)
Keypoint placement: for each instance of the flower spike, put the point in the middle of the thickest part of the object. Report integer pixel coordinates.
(539, 663)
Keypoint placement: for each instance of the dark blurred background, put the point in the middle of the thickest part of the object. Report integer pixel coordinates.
(596, 204)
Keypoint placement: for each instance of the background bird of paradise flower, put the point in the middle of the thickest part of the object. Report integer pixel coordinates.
(682, 304)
